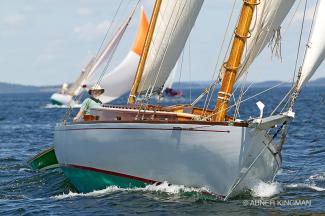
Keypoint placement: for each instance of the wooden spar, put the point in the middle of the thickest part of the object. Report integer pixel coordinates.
(144, 56)
(233, 63)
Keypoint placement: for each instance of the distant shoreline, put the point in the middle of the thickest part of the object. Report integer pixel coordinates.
(18, 88)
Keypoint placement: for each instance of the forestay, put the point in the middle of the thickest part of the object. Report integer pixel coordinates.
(175, 21)
(315, 52)
(267, 19)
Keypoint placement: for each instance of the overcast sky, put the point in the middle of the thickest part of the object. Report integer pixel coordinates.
(45, 42)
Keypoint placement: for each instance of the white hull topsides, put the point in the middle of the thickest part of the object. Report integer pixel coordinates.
(62, 99)
(216, 157)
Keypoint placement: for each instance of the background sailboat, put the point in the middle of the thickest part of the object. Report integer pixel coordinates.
(66, 97)
(66, 94)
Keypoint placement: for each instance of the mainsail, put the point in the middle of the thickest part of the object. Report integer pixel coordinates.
(267, 19)
(315, 53)
(119, 81)
(175, 21)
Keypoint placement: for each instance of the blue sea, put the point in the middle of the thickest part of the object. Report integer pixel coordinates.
(26, 127)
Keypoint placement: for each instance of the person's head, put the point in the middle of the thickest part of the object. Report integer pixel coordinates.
(96, 90)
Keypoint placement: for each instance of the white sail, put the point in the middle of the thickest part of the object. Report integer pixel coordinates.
(267, 19)
(315, 53)
(174, 23)
(108, 51)
(119, 81)
(76, 87)
(169, 82)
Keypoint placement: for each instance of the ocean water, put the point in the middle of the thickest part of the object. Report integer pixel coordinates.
(26, 127)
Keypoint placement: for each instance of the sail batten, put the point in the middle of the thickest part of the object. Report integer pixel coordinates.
(315, 52)
(175, 21)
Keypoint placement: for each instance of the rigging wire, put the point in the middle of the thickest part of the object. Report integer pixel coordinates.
(213, 83)
(313, 147)
(266, 5)
(299, 44)
(78, 98)
(222, 68)
(292, 18)
(128, 20)
(189, 63)
(109, 28)
(150, 88)
(249, 98)
(180, 72)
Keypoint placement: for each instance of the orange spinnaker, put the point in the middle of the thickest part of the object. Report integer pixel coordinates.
(141, 35)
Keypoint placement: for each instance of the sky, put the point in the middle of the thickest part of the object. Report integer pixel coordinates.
(48, 42)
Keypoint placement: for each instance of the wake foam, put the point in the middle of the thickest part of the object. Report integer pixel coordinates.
(164, 187)
(52, 106)
(263, 190)
(318, 177)
(306, 186)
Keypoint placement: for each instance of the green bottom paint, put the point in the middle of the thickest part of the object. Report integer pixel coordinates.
(87, 180)
(54, 102)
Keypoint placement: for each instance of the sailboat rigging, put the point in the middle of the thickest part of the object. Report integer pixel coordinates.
(137, 144)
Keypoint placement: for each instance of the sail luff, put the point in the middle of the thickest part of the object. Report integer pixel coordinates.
(315, 49)
(143, 59)
(233, 63)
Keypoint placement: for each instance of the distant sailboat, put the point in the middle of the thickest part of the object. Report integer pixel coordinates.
(65, 96)
(168, 90)
(139, 144)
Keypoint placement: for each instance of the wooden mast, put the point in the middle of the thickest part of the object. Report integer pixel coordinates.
(144, 56)
(233, 63)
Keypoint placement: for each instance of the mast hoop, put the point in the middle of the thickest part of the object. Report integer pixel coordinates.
(224, 95)
(223, 98)
(248, 2)
(243, 36)
(231, 68)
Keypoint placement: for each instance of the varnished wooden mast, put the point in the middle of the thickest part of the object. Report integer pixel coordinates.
(144, 56)
(233, 63)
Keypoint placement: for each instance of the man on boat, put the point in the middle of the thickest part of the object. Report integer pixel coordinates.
(91, 102)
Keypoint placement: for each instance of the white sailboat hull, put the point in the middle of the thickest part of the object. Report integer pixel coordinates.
(210, 156)
(62, 99)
